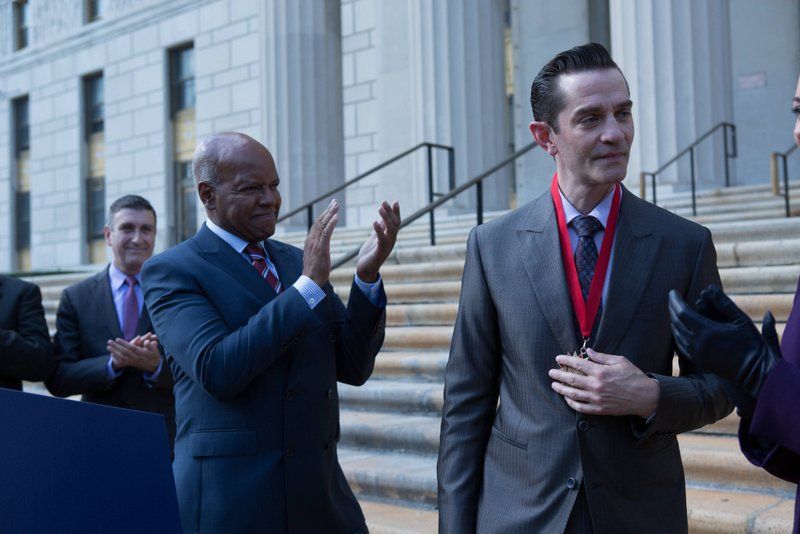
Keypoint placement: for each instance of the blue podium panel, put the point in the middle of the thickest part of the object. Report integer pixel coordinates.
(77, 467)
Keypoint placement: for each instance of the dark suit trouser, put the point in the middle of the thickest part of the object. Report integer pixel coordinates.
(580, 519)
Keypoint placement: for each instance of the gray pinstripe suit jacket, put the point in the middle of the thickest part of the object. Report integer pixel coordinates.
(506, 468)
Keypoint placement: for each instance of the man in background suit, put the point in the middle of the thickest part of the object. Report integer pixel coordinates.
(25, 349)
(104, 342)
(257, 340)
(593, 450)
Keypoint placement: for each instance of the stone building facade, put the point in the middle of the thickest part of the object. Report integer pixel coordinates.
(334, 87)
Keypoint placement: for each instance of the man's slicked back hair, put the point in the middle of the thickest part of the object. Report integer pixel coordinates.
(130, 202)
(546, 99)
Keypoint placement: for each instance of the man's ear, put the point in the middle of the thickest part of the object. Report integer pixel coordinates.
(107, 235)
(207, 197)
(543, 135)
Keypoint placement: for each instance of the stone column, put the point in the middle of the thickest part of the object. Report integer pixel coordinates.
(441, 79)
(676, 57)
(539, 30)
(303, 98)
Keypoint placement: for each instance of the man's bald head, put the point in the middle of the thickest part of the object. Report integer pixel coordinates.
(218, 152)
(238, 184)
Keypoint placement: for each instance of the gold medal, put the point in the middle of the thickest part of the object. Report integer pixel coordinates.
(580, 353)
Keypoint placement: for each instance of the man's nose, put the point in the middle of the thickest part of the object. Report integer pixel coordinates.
(267, 197)
(612, 131)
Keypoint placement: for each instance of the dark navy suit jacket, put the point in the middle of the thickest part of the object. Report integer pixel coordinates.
(777, 414)
(255, 388)
(85, 321)
(25, 349)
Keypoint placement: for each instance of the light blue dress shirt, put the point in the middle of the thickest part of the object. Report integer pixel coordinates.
(308, 289)
(119, 292)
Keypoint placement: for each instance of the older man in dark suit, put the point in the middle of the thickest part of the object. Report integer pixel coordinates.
(104, 343)
(584, 270)
(257, 340)
(25, 349)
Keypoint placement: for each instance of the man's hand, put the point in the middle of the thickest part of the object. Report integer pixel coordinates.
(380, 244)
(141, 352)
(317, 249)
(609, 385)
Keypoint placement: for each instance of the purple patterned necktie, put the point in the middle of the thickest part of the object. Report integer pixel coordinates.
(130, 310)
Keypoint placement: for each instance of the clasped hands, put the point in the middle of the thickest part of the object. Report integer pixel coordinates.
(374, 251)
(140, 352)
(606, 385)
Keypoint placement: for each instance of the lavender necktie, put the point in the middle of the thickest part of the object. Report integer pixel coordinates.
(130, 310)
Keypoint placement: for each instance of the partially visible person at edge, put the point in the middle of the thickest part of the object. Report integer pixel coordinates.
(764, 375)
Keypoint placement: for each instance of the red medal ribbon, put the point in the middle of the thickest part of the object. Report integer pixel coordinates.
(586, 311)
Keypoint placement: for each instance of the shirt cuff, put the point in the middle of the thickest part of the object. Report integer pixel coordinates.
(372, 291)
(309, 290)
(110, 372)
(153, 377)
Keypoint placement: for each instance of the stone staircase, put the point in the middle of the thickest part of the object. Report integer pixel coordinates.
(390, 426)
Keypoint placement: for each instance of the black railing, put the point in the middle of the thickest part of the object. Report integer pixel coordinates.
(729, 152)
(308, 207)
(784, 168)
(454, 192)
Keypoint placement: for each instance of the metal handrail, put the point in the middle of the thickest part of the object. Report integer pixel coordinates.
(308, 206)
(783, 156)
(476, 181)
(726, 126)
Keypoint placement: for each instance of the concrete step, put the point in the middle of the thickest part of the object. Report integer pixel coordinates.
(709, 511)
(710, 460)
(418, 338)
(412, 478)
(716, 461)
(389, 475)
(393, 518)
(774, 279)
(420, 366)
(397, 397)
(735, 215)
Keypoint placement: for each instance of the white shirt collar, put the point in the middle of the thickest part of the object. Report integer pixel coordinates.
(237, 243)
(600, 212)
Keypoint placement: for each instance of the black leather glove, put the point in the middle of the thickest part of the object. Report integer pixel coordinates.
(722, 339)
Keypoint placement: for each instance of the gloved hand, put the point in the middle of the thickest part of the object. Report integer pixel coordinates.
(722, 339)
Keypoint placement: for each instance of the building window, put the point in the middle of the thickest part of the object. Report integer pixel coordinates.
(95, 190)
(182, 115)
(94, 10)
(22, 193)
(21, 20)
(182, 78)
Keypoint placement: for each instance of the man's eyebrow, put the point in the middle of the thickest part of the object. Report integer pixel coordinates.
(593, 108)
(796, 99)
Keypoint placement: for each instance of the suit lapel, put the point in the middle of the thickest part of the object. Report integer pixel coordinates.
(220, 254)
(635, 251)
(540, 253)
(282, 256)
(105, 303)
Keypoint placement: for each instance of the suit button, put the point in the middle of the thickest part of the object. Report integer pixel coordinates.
(332, 338)
(572, 483)
(583, 425)
(289, 451)
(327, 446)
(330, 393)
(289, 395)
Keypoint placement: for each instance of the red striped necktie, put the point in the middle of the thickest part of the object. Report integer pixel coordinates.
(258, 259)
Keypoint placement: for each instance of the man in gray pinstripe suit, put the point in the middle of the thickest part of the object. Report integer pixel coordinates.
(526, 446)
